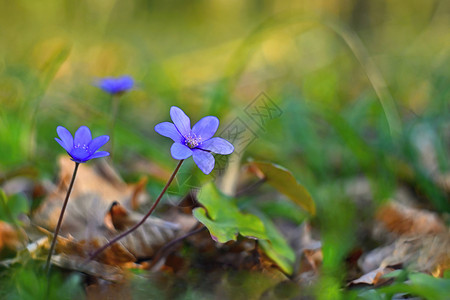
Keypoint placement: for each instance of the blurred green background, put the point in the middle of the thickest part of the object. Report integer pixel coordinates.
(358, 84)
(365, 64)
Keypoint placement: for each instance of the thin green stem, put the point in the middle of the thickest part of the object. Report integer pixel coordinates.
(112, 122)
(61, 215)
(120, 236)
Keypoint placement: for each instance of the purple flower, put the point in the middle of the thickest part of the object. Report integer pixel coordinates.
(81, 148)
(117, 85)
(198, 141)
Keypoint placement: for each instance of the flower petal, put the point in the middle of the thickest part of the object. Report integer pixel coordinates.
(204, 160)
(169, 130)
(180, 151)
(66, 137)
(125, 83)
(99, 154)
(97, 143)
(82, 136)
(181, 121)
(206, 127)
(63, 145)
(116, 85)
(80, 154)
(217, 145)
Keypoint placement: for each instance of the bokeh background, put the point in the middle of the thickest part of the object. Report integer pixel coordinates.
(360, 85)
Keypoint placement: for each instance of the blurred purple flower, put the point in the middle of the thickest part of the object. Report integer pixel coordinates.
(198, 141)
(117, 85)
(81, 148)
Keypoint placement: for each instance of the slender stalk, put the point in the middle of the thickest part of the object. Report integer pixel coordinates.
(61, 215)
(112, 122)
(114, 240)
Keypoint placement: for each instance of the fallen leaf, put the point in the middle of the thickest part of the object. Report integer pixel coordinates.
(101, 181)
(99, 209)
(374, 277)
(89, 225)
(283, 180)
(402, 220)
(425, 253)
(9, 237)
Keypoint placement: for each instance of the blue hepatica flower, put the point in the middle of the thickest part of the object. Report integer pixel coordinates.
(81, 148)
(198, 141)
(117, 85)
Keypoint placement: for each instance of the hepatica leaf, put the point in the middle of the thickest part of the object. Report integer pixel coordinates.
(225, 221)
(12, 207)
(277, 248)
(283, 180)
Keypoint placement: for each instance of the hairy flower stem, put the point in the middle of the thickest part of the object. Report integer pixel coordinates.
(117, 238)
(61, 215)
(112, 122)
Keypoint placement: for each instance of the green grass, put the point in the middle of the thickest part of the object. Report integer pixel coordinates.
(354, 80)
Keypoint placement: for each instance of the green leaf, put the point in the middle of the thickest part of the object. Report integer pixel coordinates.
(283, 180)
(224, 220)
(11, 208)
(419, 284)
(277, 248)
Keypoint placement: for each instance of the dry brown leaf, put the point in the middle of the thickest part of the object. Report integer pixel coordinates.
(374, 277)
(9, 237)
(408, 221)
(99, 209)
(426, 253)
(97, 269)
(309, 255)
(100, 180)
(88, 225)
(314, 257)
(422, 253)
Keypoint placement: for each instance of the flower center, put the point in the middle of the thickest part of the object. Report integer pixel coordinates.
(192, 140)
(81, 147)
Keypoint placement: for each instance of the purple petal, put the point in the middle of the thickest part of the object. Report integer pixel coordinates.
(82, 136)
(169, 130)
(99, 154)
(181, 121)
(206, 127)
(217, 145)
(180, 151)
(116, 85)
(98, 142)
(62, 144)
(204, 160)
(66, 137)
(125, 83)
(80, 154)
